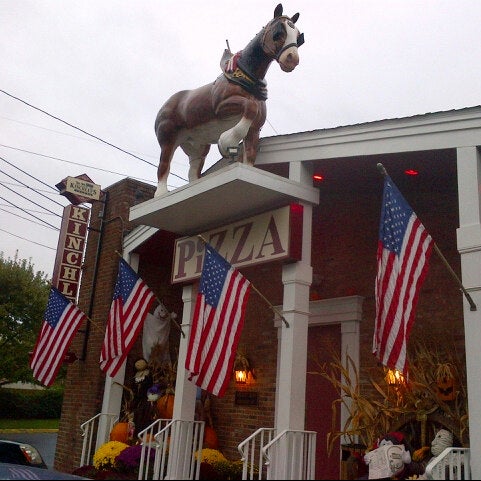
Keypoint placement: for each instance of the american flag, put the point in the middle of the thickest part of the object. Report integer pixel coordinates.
(130, 305)
(60, 324)
(217, 323)
(403, 253)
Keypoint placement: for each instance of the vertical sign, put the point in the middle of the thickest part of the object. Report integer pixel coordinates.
(70, 251)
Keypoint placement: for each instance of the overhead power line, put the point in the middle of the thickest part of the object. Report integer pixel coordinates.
(28, 240)
(26, 173)
(85, 132)
(73, 163)
(28, 220)
(25, 210)
(11, 203)
(28, 187)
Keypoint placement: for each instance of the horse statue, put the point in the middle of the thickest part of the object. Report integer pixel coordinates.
(230, 110)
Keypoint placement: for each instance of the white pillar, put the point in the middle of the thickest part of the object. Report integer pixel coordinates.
(297, 278)
(185, 390)
(469, 246)
(113, 391)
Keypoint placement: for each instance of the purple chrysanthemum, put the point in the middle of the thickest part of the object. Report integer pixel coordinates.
(130, 457)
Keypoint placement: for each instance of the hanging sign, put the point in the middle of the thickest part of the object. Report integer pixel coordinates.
(272, 236)
(80, 189)
(70, 250)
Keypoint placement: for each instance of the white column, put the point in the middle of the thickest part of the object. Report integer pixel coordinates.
(185, 391)
(113, 391)
(297, 278)
(469, 246)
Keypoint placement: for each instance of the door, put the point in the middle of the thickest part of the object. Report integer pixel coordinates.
(320, 394)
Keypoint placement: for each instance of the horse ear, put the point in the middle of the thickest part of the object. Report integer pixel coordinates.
(278, 11)
(295, 17)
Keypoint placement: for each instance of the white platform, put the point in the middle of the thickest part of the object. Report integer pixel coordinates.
(230, 194)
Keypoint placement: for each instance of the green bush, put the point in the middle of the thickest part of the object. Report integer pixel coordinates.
(31, 403)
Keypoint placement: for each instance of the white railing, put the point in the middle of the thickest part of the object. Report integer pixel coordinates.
(291, 455)
(97, 428)
(169, 449)
(452, 463)
(250, 449)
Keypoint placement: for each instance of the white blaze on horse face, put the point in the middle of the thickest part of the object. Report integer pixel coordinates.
(289, 58)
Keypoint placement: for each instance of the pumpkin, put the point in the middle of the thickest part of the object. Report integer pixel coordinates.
(165, 406)
(120, 432)
(446, 389)
(445, 382)
(210, 438)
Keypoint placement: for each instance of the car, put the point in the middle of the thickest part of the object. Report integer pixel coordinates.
(25, 454)
(22, 471)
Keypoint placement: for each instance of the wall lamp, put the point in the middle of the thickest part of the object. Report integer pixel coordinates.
(242, 368)
(394, 378)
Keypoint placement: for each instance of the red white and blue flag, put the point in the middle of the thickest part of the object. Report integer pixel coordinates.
(131, 303)
(61, 322)
(217, 323)
(403, 253)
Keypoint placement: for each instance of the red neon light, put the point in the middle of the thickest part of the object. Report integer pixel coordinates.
(411, 172)
(318, 177)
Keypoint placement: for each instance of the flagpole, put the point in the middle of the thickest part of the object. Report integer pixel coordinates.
(472, 305)
(276, 311)
(158, 300)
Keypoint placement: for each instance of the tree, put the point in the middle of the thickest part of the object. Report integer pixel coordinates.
(23, 299)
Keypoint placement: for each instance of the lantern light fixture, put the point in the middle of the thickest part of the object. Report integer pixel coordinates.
(242, 368)
(394, 377)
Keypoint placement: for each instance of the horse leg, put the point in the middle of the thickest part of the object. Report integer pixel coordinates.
(248, 108)
(166, 154)
(233, 136)
(251, 142)
(197, 155)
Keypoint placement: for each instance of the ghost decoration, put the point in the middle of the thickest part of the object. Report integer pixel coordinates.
(156, 330)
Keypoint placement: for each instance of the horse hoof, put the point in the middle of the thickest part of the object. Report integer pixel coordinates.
(161, 190)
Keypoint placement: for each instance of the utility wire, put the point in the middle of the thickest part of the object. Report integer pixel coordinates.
(36, 190)
(28, 220)
(82, 138)
(71, 162)
(26, 173)
(28, 187)
(85, 132)
(26, 198)
(26, 212)
(28, 240)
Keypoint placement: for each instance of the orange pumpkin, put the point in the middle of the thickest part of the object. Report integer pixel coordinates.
(446, 389)
(210, 438)
(165, 406)
(120, 432)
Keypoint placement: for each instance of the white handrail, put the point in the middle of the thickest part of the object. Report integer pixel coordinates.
(250, 449)
(169, 449)
(291, 455)
(90, 428)
(452, 463)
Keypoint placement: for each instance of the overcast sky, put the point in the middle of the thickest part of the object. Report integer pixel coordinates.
(106, 67)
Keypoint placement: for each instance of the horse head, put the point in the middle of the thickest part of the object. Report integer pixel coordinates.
(281, 39)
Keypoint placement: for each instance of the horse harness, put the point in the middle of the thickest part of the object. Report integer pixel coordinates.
(235, 72)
